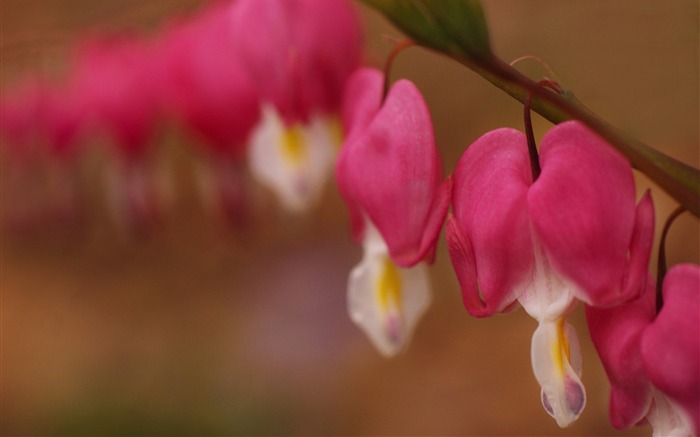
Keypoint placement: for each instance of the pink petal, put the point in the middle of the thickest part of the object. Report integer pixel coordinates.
(23, 107)
(357, 220)
(670, 346)
(489, 239)
(392, 172)
(329, 42)
(462, 257)
(616, 333)
(435, 220)
(206, 86)
(360, 104)
(63, 121)
(300, 52)
(582, 209)
(633, 281)
(362, 98)
(260, 32)
(117, 81)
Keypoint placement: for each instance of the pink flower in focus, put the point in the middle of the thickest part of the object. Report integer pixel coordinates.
(299, 53)
(573, 234)
(653, 361)
(390, 174)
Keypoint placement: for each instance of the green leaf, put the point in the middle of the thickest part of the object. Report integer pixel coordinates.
(454, 27)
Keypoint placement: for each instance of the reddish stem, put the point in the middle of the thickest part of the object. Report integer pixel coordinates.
(531, 144)
(661, 265)
(398, 48)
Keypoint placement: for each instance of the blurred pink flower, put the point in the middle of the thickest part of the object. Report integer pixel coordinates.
(653, 361)
(390, 174)
(116, 78)
(573, 234)
(204, 83)
(21, 109)
(41, 125)
(299, 53)
(205, 87)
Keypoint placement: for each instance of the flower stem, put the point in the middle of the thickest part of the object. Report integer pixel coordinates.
(398, 48)
(680, 180)
(531, 144)
(661, 266)
(527, 117)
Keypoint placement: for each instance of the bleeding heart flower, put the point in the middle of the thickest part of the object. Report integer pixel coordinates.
(116, 78)
(41, 126)
(390, 174)
(205, 84)
(671, 344)
(299, 53)
(653, 361)
(208, 91)
(573, 234)
(24, 177)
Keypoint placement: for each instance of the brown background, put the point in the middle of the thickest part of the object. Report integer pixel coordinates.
(204, 330)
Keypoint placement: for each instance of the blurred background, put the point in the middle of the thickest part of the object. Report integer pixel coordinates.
(205, 329)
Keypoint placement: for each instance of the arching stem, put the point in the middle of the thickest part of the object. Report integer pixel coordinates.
(398, 48)
(527, 117)
(661, 266)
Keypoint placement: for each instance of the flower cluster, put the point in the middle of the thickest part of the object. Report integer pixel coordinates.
(653, 359)
(276, 86)
(391, 176)
(255, 83)
(571, 232)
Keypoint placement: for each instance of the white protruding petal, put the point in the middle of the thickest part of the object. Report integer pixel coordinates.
(556, 362)
(388, 323)
(667, 419)
(297, 181)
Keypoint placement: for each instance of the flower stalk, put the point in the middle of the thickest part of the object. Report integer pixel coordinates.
(661, 266)
(433, 24)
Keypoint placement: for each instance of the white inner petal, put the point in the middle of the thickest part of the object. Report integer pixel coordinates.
(667, 419)
(556, 362)
(546, 295)
(386, 300)
(293, 161)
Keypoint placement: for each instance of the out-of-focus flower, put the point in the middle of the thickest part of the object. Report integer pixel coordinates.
(21, 108)
(63, 121)
(653, 361)
(573, 234)
(41, 123)
(390, 174)
(205, 88)
(117, 81)
(299, 53)
(23, 188)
